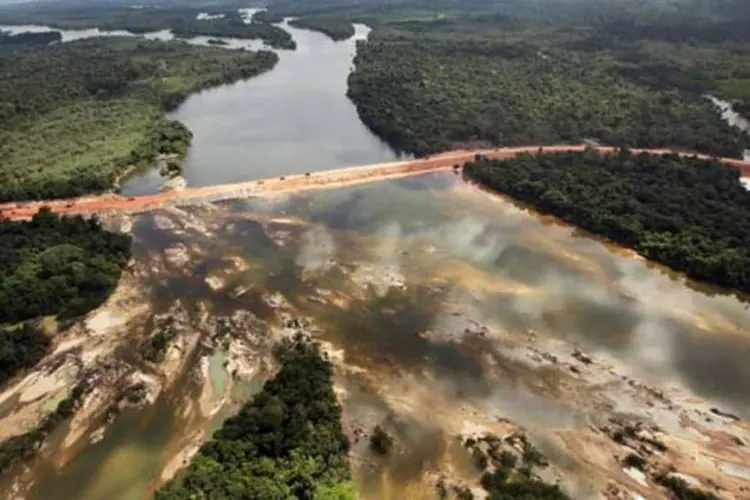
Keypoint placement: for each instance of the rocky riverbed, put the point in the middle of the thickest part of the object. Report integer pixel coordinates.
(461, 324)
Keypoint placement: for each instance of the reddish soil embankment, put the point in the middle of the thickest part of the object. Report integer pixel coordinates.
(298, 182)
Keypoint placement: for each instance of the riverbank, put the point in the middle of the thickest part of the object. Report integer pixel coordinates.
(119, 121)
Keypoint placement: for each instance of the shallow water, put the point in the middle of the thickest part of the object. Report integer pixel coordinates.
(403, 277)
(373, 266)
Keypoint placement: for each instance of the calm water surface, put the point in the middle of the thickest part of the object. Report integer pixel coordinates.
(295, 118)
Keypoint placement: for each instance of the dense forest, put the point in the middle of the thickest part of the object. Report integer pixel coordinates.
(528, 72)
(21, 346)
(54, 265)
(691, 214)
(336, 28)
(455, 86)
(74, 116)
(286, 443)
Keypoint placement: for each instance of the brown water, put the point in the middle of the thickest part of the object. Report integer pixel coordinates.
(373, 266)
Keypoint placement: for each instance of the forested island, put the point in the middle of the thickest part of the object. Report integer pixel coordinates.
(512, 74)
(75, 116)
(285, 443)
(688, 213)
(183, 21)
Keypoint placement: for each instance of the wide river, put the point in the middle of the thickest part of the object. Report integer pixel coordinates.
(293, 119)
(435, 298)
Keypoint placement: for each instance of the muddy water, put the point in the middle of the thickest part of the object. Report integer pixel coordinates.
(420, 286)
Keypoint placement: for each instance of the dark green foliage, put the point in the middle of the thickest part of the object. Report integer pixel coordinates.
(480, 459)
(531, 456)
(20, 348)
(504, 485)
(507, 460)
(464, 493)
(286, 443)
(73, 116)
(273, 36)
(266, 16)
(54, 265)
(336, 28)
(687, 213)
(24, 446)
(155, 347)
(135, 393)
(380, 441)
(635, 461)
(44, 38)
(545, 73)
(742, 107)
(681, 490)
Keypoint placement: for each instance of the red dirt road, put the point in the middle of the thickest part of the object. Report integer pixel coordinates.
(298, 182)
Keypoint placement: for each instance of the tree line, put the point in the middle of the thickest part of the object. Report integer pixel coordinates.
(286, 443)
(52, 265)
(509, 78)
(183, 21)
(690, 214)
(74, 116)
(336, 28)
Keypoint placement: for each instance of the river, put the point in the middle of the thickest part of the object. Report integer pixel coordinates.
(444, 309)
(430, 293)
(293, 119)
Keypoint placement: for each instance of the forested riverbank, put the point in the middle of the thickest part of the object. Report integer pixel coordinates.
(687, 213)
(613, 74)
(76, 115)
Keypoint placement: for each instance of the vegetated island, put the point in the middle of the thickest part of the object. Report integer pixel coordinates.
(688, 213)
(285, 443)
(511, 74)
(185, 22)
(336, 28)
(75, 116)
(288, 443)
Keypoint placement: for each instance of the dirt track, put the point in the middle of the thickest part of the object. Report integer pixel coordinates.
(297, 182)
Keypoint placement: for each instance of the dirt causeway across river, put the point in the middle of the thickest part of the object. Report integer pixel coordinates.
(301, 182)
